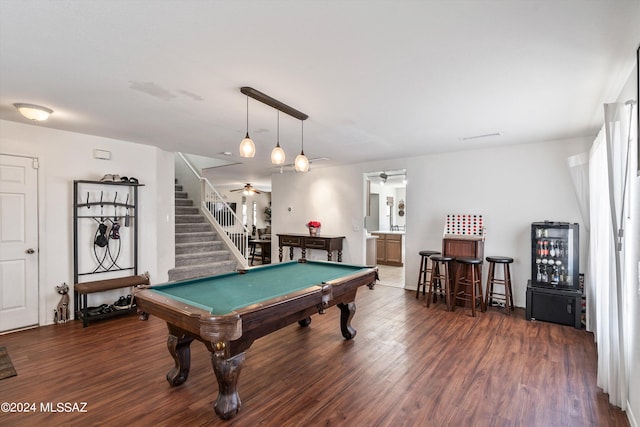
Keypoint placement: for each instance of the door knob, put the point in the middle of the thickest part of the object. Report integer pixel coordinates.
(30, 251)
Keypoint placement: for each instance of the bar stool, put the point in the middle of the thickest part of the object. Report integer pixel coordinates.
(440, 274)
(468, 285)
(424, 269)
(507, 296)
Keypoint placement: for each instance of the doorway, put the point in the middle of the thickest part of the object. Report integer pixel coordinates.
(18, 242)
(385, 222)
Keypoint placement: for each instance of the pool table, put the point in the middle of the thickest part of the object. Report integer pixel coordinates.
(228, 312)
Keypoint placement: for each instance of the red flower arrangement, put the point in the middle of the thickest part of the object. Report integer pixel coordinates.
(314, 224)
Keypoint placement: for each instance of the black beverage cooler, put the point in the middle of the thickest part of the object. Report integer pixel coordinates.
(553, 292)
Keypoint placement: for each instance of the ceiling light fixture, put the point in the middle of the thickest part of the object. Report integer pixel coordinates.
(302, 163)
(33, 112)
(247, 190)
(278, 155)
(273, 103)
(486, 135)
(247, 147)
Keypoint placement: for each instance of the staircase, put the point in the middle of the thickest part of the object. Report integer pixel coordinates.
(199, 252)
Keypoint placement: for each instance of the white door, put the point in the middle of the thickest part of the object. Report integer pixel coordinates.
(18, 242)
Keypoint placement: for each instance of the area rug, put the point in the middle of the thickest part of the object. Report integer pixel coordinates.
(6, 367)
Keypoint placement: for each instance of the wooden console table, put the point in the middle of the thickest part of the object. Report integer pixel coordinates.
(304, 242)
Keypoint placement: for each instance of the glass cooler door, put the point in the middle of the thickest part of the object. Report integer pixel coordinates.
(554, 255)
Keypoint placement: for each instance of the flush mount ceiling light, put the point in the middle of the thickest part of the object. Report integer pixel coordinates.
(247, 147)
(33, 112)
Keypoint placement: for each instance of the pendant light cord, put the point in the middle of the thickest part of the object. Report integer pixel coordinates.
(302, 151)
(247, 114)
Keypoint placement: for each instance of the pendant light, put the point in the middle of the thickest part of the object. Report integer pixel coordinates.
(247, 147)
(302, 163)
(277, 155)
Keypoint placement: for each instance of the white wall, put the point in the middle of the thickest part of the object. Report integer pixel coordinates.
(633, 289)
(185, 177)
(333, 196)
(65, 157)
(511, 186)
(163, 212)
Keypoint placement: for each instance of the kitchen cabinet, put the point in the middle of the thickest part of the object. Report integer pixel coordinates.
(389, 248)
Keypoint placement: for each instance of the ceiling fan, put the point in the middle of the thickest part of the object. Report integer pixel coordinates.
(247, 190)
(384, 176)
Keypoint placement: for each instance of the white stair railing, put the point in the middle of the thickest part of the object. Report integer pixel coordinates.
(224, 220)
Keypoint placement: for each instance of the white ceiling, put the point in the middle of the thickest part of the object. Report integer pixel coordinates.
(378, 79)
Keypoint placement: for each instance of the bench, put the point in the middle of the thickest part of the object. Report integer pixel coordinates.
(81, 290)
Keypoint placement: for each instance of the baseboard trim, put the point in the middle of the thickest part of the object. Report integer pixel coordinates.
(630, 416)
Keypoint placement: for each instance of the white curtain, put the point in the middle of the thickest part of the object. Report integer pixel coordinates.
(579, 170)
(606, 281)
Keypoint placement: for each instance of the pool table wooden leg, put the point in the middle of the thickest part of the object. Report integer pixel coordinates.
(178, 345)
(227, 372)
(346, 314)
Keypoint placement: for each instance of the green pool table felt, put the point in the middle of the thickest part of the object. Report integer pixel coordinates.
(225, 293)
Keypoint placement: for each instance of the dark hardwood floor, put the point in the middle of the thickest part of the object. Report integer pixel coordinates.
(408, 366)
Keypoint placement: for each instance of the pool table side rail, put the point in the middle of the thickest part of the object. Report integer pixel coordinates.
(271, 315)
(260, 319)
(269, 318)
(185, 316)
(365, 276)
(190, 317)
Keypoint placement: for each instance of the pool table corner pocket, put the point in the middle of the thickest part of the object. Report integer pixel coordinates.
(218, 329)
